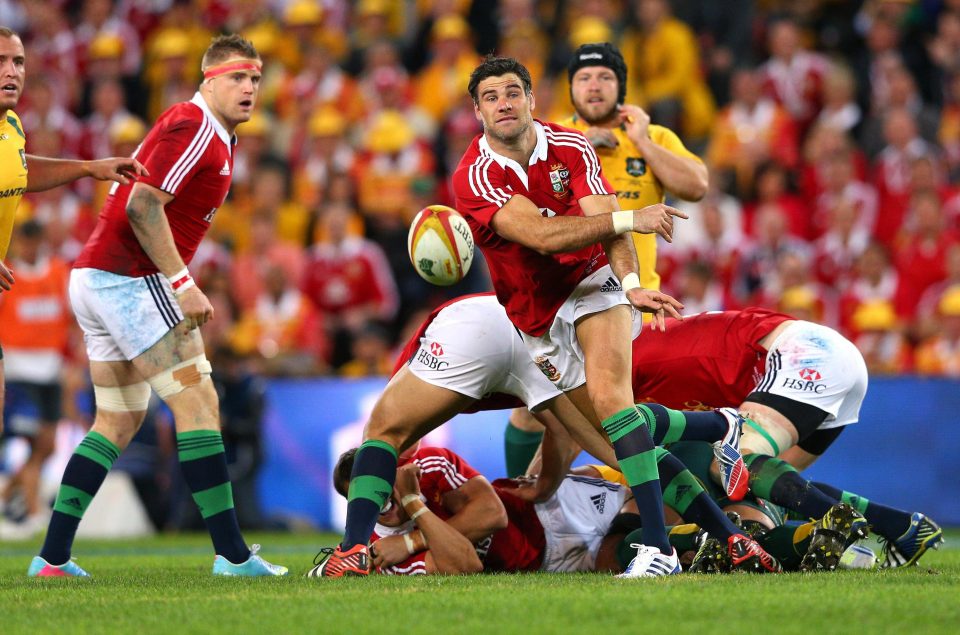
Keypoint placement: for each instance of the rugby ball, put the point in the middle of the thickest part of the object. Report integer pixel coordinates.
(440, 245)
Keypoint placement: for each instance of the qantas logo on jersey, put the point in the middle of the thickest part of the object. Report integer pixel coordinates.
(560, 180)
(13, 191)
(547, 368)
(225, 170)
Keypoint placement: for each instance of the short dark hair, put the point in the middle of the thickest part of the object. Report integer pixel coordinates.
(6, 31)
(342, 471)
(493, 66)
(223, 46)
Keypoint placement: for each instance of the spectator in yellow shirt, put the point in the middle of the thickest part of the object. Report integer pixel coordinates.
(641, 160)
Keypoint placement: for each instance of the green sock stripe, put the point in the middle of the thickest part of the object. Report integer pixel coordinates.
(622, 423)
(375, 443)
(103, 442)
(763, 480)
(212, 501)
(680, 492)
(678, 425)
(763, 433)
(72, 501)
(192, 454)
(856, 501)
(640, 468)
(372, 488)
(648, 418)
(660, 453)
(215, 447)
(198, 434)
(95, 454)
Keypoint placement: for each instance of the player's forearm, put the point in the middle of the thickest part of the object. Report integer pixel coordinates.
(564, 234)
(682, 176)
(44, 173)
(451, 551)
(149, 222)
(622, 255)
(479, 517)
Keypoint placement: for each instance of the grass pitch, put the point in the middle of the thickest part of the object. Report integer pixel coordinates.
(163, 585)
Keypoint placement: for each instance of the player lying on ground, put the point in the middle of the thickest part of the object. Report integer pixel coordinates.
(468, 357)
(444, 517)
(812, 384)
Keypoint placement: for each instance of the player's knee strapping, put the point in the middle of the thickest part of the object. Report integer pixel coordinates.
(770, 440)
(180, 377)
(132, 398)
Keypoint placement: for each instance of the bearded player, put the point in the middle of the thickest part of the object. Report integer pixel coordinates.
(140, 310)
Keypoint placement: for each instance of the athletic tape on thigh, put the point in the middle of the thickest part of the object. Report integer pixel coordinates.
(769, 439)
(132, 398)
(183, 375)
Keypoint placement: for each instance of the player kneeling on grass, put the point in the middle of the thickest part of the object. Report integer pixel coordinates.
(140, 311)
(466, 357)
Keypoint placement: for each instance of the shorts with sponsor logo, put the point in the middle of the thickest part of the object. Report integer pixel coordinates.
(122, 317)
(576, 519)
(557, 352)
(815, 365)
(472, 348)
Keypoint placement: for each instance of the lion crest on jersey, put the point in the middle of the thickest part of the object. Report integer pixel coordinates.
(560, 180)
(547, 368)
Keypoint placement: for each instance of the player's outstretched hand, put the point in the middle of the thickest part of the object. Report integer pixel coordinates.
(408, 480)
(659, 304)
(196, 308)
(656, 219)
(6, 278)
(119, 169)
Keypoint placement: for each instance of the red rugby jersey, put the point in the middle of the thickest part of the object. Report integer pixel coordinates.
(707, 360)
(188, 153)
(563, 169)
(518, 547)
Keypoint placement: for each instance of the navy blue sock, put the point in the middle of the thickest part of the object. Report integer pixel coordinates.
(204, 466)
(83, 476)
(668, 425)
(889, 522)
(371, 483)
(779, 482)
(683, 493)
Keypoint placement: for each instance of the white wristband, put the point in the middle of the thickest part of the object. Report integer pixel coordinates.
(420, 512)
(408, 542)
(630, 281)
(181, 281)
(409, 498)
(623, 221)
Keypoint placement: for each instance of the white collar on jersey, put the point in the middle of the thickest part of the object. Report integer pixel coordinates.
(539, 153)
(221, 131)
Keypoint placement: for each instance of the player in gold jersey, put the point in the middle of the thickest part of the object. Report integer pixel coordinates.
(641, 160)
(16, 164)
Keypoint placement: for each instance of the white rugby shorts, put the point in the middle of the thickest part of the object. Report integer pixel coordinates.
(576, 519)
(812, 364)
(472, 348)
(122, 317)
(557, 352)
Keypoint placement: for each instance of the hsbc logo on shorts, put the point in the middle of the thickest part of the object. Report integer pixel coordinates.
(807, 382)
(431, 359)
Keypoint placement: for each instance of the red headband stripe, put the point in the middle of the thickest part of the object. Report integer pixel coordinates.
(231, 67)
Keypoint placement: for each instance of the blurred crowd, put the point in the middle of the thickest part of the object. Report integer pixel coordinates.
(831, 130)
